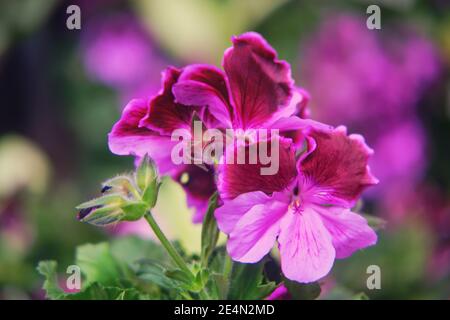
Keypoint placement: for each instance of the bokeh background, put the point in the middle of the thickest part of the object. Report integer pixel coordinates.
(61, 91)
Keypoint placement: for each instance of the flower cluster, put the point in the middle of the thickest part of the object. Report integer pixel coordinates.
(305, 206)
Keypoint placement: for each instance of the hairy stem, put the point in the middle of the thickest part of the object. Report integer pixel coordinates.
(166, 243)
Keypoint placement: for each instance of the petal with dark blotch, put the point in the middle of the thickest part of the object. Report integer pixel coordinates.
(127, 138)
(199, 185)
(334, 169)
(204, 85)
(165, 115)
(259, 83)
(235, 179)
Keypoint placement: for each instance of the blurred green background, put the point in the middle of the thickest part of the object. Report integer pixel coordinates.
(62, 90)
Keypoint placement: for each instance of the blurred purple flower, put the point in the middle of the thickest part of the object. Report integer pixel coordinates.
(372, 84)
(117, 52)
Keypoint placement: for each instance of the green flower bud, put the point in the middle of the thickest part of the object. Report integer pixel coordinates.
(147, 179)
(122, 184)
(102, 211)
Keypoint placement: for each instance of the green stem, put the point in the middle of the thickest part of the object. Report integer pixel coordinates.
(166, 243)
(227, 266)
(172, 252)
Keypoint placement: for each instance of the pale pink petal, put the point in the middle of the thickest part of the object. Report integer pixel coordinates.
(307, 253)
(255, 233)
(349, 231)
(232, 210)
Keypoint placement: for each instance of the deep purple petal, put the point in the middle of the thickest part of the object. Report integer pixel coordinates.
(260, 84)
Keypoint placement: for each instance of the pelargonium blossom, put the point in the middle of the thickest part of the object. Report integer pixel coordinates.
(306, 208)
(255, 90)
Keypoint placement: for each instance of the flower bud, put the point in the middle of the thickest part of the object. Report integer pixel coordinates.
(122, 184)
(102, 211)
(148, 181)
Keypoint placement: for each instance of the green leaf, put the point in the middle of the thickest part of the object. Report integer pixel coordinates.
(219, 286)
(302, 291)
(154, 273)
(132, 249)
(247, 282)
(210, 231)
(180, 276)
(97, 264)
(360, 296)
(51, 287)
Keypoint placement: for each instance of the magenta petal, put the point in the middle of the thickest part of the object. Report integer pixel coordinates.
(231, 211)
(335, 169)
(255, 233)
(204, 85)
(349, 231)
(165, 115)
(259, 83)
(236, 179)
(127, 138)
(280, 293)
(307, 253)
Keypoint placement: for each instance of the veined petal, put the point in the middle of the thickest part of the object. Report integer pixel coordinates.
(349, 231)
(334, 169)
(255, 233)
(127, 138)
(165, 115)
(235, 179)
(307, 253)
(259, 83)
(232, 210)
(204, 85)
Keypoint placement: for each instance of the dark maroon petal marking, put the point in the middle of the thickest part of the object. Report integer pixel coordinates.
(165, 115)
(236, 179)
(204, 85)
(335, 166)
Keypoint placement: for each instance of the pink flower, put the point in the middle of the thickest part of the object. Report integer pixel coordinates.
(255, 90)
(305, 207)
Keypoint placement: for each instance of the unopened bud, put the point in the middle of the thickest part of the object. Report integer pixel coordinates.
(148, 181)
